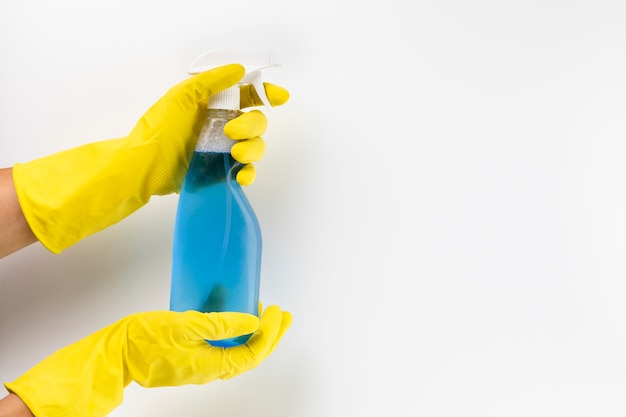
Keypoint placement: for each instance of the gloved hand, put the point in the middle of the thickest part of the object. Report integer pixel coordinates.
(154, 349)
(70, 195)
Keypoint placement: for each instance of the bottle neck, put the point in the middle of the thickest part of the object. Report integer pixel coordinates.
(212, 137)
(226, 114)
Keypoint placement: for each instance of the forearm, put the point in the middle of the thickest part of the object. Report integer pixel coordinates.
(13, 406)
(15, 233)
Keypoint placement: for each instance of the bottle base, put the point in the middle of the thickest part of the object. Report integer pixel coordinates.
(232, 342)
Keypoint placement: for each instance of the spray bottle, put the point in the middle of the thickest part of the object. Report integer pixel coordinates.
(216, 258)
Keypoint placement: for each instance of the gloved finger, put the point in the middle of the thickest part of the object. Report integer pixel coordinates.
(216, 326)
(248, 125)
(248, 151)
(198, 88)
(277, 95)
(262, 341)
(246, 175)
(285, 324)
(258, 347)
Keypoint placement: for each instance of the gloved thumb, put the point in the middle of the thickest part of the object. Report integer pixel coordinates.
(200, 87)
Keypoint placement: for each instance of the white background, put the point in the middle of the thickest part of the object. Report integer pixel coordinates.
(442, 199)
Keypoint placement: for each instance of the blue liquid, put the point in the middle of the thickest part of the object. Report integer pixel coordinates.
(217, 243)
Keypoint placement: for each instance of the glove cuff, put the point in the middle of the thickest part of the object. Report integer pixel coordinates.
(68, 196)
(86, 378)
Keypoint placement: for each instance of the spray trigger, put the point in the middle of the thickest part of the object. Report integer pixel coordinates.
(252, 60)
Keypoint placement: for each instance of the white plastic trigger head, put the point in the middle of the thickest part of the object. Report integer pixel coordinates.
(256, 80)
(253, 61)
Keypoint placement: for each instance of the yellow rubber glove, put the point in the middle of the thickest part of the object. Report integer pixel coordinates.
(154, 349)
(73, 194)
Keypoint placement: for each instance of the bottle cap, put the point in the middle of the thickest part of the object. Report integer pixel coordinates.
(252, 60)
(228, 99)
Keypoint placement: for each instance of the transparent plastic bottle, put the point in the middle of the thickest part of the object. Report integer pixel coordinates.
(216, 258)
(217, 239)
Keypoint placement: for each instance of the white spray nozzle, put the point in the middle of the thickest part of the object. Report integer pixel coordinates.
(252, 60)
